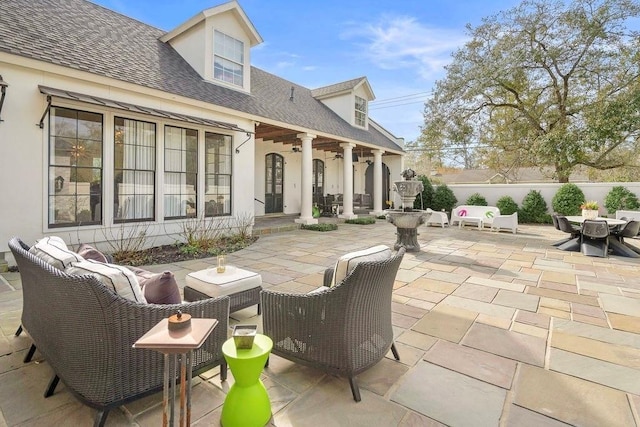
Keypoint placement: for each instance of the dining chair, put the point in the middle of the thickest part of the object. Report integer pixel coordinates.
(594, 240)
(571, 243)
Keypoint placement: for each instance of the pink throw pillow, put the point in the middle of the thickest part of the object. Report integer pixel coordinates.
(158, 288)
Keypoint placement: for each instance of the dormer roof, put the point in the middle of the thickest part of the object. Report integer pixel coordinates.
(232, 7)
(344, 88)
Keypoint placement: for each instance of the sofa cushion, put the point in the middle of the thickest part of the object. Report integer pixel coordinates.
(89, 252)
(346, 263)
(53, 250)
(119, 279)
(158, 288)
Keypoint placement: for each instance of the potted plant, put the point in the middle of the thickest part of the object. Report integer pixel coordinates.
(589, 209)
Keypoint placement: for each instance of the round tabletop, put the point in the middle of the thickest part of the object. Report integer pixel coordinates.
(610, 221)
(262, 345)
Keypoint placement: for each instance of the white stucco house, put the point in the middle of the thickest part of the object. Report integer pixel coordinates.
(108, 122)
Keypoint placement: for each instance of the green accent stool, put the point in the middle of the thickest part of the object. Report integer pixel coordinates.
(247, 403)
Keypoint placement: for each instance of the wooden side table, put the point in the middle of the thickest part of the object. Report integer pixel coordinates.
(247, 403)
(177, 347)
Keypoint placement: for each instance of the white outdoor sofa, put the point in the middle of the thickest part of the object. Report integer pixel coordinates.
(480, 215)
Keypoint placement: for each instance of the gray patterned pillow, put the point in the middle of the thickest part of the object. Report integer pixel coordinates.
(53, 250)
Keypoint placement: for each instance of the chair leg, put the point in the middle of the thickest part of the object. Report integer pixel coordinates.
(19, 331)
(101, 418)
(29, 355)
(51, 388)
(259, 311)
(394, 350)
(223, 371)
(354, 389)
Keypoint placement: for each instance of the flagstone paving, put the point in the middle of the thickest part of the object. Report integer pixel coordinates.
(493, 329)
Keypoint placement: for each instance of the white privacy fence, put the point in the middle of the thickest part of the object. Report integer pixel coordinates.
(492, 192)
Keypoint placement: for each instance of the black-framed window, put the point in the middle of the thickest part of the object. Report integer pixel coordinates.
(218, 175)
(75, 167)
(134, 170)
(180, 172)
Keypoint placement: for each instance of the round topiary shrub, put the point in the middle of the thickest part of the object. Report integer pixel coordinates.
(476, 199)
(621, 198)
(534, 209)
(568, 199)
(443, 198)
(507, 205)
(425, 199)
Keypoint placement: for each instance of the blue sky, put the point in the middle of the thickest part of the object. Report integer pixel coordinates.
(400, 46)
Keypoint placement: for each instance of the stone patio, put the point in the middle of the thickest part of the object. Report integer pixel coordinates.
(493, 329)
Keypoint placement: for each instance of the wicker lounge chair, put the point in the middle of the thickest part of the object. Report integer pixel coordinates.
(86, 332)
(342, 330)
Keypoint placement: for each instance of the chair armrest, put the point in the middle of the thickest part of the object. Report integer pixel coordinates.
(328, 276)
(287, 318)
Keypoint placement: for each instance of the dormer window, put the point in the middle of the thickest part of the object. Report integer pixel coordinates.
(228, 59)
(361, 112)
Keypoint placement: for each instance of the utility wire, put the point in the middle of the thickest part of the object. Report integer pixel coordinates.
(400, 98)
(396, 105)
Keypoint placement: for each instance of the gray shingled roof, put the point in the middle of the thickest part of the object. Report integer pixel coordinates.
(336, 88)
(84, 36)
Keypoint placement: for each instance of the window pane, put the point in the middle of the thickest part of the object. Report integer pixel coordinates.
(180, 178)
(75, 168)
(134, 161)
(218, 174)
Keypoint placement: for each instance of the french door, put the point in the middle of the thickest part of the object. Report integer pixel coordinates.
(274, 184)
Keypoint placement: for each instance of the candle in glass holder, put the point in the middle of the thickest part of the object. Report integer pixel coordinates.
(221, 264)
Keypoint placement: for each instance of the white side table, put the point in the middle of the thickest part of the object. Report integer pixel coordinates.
(177, 347)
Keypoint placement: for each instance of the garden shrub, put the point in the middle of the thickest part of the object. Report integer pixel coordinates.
(621, 198)
(425, 199)
(443, 199)
(476, 199)
(507, 205)
(325, 226)
(534, 209)
(568, 199)
(363, 220)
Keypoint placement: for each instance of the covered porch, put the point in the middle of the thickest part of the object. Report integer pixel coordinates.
(340, 177)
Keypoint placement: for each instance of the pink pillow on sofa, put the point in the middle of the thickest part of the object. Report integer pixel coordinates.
(89, 252)
(158, 288)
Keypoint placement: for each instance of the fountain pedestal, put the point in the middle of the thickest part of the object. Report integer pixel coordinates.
(407, 219)
(407, 228)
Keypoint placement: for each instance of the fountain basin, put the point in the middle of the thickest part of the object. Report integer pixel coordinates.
(407, 227)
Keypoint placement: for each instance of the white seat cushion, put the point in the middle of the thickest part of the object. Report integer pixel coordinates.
(53, 250)
(119, 279)
(215, 284)
(346, 263)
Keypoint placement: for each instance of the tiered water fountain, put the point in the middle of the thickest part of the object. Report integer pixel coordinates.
(408, 219)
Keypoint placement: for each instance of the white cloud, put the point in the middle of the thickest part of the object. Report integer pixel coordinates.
(309, 68)
(395, 42)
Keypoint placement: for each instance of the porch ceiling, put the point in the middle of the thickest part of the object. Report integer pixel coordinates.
(290, 136)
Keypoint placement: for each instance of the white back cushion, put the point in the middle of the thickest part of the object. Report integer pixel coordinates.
(53, 250)
(346, 263)
(119, 279)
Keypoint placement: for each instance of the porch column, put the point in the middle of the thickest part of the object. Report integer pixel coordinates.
(306, 186)
(377, 183)
(347, 196)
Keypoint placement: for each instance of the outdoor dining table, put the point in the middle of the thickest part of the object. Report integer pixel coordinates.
(611, 222)
(615, 246)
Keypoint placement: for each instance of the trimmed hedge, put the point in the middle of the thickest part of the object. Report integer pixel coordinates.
(320, 227)
(365, 220)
